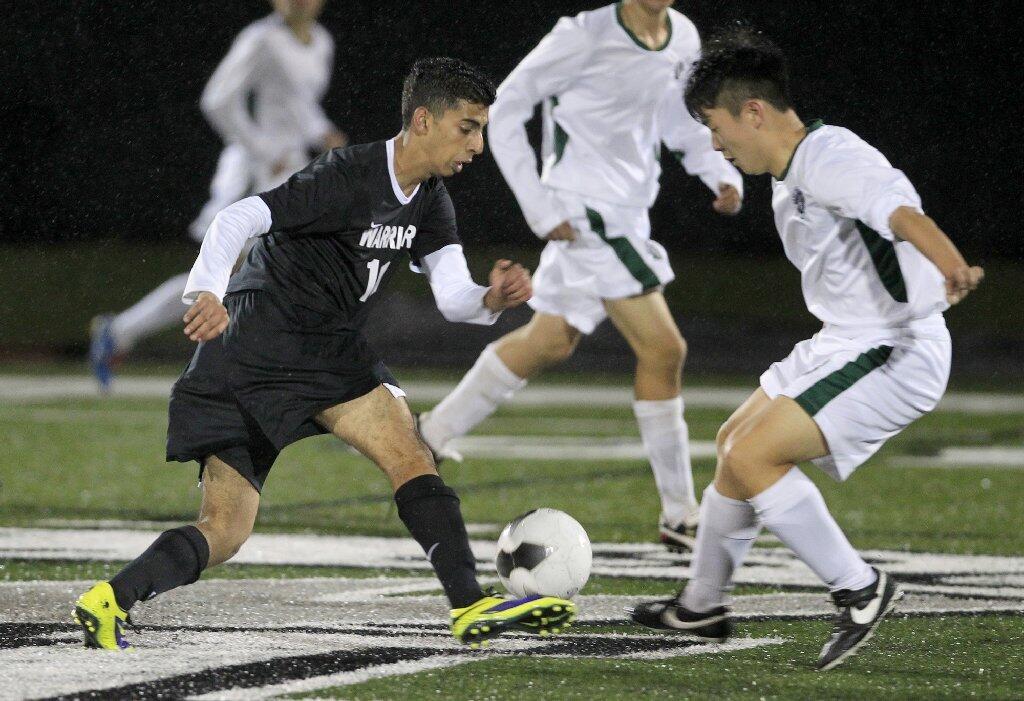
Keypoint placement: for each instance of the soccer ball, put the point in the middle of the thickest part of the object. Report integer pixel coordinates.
(546, 552)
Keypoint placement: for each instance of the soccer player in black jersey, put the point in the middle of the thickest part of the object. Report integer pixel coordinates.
(281, 356)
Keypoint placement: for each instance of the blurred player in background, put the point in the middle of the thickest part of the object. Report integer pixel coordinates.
(263, 100)
(878, 273)
(611, 83)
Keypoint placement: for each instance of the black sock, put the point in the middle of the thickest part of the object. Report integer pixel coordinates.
(177, 557)
(430, 511)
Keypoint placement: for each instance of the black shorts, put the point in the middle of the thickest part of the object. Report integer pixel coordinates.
(255, 389)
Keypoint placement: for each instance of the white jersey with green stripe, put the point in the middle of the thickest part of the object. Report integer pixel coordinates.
(609, 102)
(832, 208)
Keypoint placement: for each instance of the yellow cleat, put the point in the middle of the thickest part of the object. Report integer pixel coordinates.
(493, 615)
(102, 620)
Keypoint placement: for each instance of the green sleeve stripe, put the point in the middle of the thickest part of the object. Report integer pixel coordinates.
(883, 255)
(815, 397)
(624, 250)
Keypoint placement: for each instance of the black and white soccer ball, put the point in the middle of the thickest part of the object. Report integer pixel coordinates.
(544, 551)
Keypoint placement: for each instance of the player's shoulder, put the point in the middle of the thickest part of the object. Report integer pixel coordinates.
(589, 22)
(261, 28)
(321, 36)
(357, 156)
(833, 146)
(684, 31)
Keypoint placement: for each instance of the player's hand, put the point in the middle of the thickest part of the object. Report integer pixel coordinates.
(728, 201)
(510, 286)
(562, 232)
(206, 318)
(961, 281)
(335, 139)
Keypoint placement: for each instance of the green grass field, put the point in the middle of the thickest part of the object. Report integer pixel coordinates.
(102, 459)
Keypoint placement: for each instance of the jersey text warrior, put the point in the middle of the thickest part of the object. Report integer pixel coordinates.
(337, 228)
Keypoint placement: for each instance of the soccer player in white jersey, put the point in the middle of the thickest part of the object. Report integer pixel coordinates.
(610, 82)
(282, 63)
(878, 273)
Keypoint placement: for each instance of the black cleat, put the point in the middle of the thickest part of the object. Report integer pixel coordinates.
(714, 626)
(681, 538)
(860, 612)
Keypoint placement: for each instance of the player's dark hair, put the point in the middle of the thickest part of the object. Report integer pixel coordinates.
(738, 64)
(439, 83)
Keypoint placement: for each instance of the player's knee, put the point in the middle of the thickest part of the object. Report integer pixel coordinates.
(413, 460)
(722, 437)
(666, 355)
(739, 460)
(233, 542)
(226, 530)
(557, 350)
(225, 538)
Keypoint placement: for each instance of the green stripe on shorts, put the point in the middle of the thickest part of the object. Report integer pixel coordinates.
(624, 250)
(832, 385)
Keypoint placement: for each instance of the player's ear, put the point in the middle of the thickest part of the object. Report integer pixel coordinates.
(753, 112)
(421, 119)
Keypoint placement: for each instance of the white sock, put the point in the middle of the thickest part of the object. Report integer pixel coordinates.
(727, 529)
(667, 442)
(156, 311)
(794, 510)
(487, 385)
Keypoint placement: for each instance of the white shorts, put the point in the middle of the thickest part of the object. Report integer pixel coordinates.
(863, 388)
(236, 177)
(613, 257)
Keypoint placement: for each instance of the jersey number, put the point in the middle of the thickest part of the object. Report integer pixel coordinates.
(373, 281)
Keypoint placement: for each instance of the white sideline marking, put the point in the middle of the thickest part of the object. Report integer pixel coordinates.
(989, 575)
(25, 388)
(563, 448)
(1006, 457)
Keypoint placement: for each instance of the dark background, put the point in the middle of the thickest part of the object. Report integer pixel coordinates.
(103, 138)
(107, 158)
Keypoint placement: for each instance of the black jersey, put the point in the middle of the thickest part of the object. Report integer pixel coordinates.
(340, 227)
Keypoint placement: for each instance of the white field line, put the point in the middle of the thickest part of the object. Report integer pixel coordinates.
(763, 565)
(23, 388)
(327, 681)
(563, 448)
(446, 661)
(1004, 457)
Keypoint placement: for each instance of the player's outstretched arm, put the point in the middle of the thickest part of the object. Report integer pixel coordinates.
(510, 286)
(458, 298)
(206, 318)
(920, 230)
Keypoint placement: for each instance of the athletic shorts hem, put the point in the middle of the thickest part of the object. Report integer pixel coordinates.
(581, 322)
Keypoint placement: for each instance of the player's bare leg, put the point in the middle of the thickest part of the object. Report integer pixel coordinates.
(228, 510)
(647, 325)
(544, 341)
(501, 370)
(757, 483)
(176, 558)
(381, 427)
